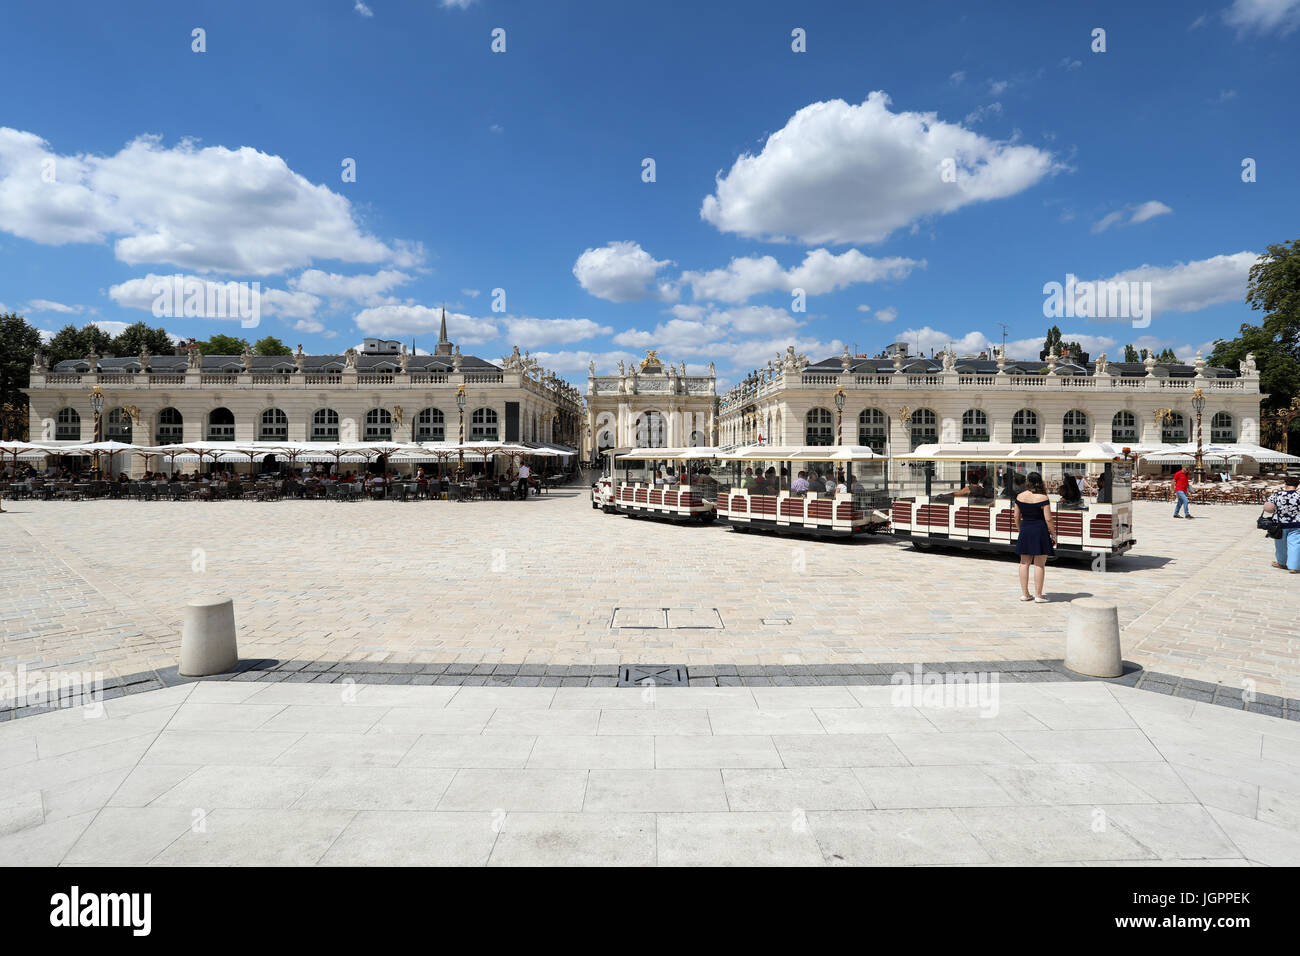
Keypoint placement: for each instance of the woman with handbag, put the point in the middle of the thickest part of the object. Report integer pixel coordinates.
(1284, 507)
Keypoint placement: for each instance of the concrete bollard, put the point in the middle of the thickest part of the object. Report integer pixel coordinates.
(1092, 638)
(208, 638)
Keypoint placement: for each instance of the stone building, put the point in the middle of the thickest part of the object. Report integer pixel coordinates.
(379, 393)
(895, 404)
(651, 406)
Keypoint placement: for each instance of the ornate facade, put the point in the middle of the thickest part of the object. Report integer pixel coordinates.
(895, 405)
(155, 400)
(650, 406)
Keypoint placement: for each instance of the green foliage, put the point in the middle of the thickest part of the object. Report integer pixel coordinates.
(223, 345)
(1131, 354)
(271, 346)
(130, 339)
(71, 342)
(18, 344)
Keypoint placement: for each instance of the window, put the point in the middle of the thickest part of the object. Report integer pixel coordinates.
(819, 427)
(483, 425)
(221, 425)
(67, 425)
(925, 428)
(651, 430)
(1024, 427)
(1124, 427)
(430, 425)
(1222, 429)
(1076, 426)
(274, 426)
(974, 425)
(118, 426)
(871, 430)
(379, 425)
(170, 427)
(325, 425)
(1174, 430)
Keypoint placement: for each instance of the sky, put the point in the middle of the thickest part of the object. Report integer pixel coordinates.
(714, 179)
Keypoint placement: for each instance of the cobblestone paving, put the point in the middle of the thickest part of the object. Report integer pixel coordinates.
(100, 586)
(251, 773)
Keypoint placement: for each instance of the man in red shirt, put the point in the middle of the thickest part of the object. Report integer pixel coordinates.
(1180, 490)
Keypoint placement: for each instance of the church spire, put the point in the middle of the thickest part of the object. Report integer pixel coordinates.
(444, 344)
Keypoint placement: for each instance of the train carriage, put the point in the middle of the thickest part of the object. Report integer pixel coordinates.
(957, 509)
(839, 494)
(672, 484)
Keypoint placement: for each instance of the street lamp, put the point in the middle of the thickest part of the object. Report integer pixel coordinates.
(839, 409)
(1198, 404)
(460, 404)
(97, 406)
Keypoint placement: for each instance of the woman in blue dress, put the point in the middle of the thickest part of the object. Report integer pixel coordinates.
(1036, 534)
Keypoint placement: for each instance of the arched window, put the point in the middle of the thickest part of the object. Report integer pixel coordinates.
(974, 425)
(1076, 426)
(925, 428)
(274, 426)
(1024, 427)
(483, 425)
(117, 426)
(221, 425)
(871, 430)
(67, 425)
(379, 425)
(1124, 427)
(324, 425)
(1223, 430)
(819, 427)
(1174, 430)
(430, 425)
(171, 427)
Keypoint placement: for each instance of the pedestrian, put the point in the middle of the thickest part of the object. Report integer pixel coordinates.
(1035, 535)
(1285, 504)
(1180, 492)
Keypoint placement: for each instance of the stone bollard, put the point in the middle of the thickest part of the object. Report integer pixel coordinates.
(1092, 638)
(208, 638)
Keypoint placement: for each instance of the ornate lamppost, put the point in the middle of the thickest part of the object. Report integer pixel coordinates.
(97, 406)
(460, 404)
(839, 410)
(1198, 405)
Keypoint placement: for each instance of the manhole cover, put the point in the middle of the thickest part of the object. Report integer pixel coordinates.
(648, 675)
(679, 617)
(776, 621)
(639, 617)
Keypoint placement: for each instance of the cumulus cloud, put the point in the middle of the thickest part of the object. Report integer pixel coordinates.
(362, 9)
(1192, 286)
(46, 305)
(141, 293)
(530, 332)
(980, 112)
(472, 293)
(622, 272)
(820, 272)
(924, 339)
(839, 173)
(1263, 16)
(886, 315)
(1092, 344)
(355, 288)
(713, 329)
(390, 320)
(1131, 215)
(208, 209)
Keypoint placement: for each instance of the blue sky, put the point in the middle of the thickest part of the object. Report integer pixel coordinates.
(522, 170)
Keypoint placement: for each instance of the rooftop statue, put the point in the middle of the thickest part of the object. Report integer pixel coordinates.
(350, 359)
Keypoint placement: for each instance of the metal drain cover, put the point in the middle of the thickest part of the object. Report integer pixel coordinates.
(649, 675)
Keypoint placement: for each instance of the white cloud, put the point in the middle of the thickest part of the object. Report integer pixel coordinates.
(979, 113)
(45, 305)
(292, 305)
(1067, 63)
(1192, 286)
(998, 87)
(924, 339)
(355, 288)
(141, 293)
(1131, 215)
(458, 4)
(1263, 16)
(621, 272)
(390, 320)
(472, 293)
(531, 332)
(864, 308)
(839, 173)
(310, 326)
(362, 9)
(209, 209)
(887, 315)
(957, 78)
(575, 363)
(1092, 344)
(1223, 97)
(820, 272)
(717, 329)
(1198, 22)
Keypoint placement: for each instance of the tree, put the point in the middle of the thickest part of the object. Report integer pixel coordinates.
(1053, 340)
(71, 342)
(1274, 289)
(1131, 354)
(130, 340)
(271, 346)
(223, 345)
(1167, 355)
(18, 344)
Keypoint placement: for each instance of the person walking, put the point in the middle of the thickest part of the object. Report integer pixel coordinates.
(1285, 504)
(1035, 535)
(1180, 491)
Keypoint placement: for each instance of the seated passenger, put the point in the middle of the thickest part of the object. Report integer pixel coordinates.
(749, 482)
(1070, 495)
(800, 485)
